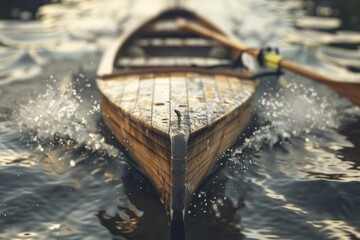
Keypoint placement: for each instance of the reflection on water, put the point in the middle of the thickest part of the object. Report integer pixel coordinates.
(294, 173)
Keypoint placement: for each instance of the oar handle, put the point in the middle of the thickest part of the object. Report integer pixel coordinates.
(215, 36)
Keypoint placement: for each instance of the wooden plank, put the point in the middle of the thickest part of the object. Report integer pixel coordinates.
(226, 93)
(198, 61)
(205, 162)
(134, 145)
(176, 42)
(154, 61)
(137, 61)
(182, 61)
(143, 107)
(217, 137)
(157, 173)
(197, 105)
(241, 89)
(230, 135)
(167, 61)
(198, 42)
(124, 71)
(159, 181)
(161, 102)
(200, 137)
(179, 42)
(113, 88)
(213, 137)
(130, 94)
(157, 42)
(140, 156)
(213, 100)
(179, 100)
(143, 134)
(125, 61)
(209, 138)
(158, 137)
(164, 25)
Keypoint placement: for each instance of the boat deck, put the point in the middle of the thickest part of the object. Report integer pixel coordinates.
(140, 107)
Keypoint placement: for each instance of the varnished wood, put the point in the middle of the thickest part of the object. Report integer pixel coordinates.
(200, 98)
(140, 94)
(213, 109)
(350, 90)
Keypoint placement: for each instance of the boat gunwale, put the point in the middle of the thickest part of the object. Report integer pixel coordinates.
(243, 73)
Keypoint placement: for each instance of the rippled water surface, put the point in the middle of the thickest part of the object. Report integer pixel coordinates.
(294, 173)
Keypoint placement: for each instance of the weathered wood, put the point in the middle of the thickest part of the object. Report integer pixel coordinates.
(161, 103)
(197, 162)
(139, 99)
(179, 100)
(193, 94)
(140, 131)
(197, 107)
(124, 71)
(143, 108)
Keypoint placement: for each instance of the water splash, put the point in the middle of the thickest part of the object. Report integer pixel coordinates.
(296, 110)
(61, 115)
(298, 106)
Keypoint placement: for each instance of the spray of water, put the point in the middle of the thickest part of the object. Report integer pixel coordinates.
(60, 114)
(296, 110)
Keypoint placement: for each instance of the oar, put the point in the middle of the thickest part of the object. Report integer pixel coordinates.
(350, 90)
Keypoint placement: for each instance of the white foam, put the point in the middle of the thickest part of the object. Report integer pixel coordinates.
(59, 112)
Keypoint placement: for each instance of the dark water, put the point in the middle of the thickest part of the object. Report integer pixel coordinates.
(294, 174)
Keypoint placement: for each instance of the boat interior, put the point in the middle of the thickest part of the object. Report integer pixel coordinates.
(160, 43)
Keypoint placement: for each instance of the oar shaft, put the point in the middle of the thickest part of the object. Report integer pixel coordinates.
(350, 90)
(286, 64)
(215, 36)
(293, 67)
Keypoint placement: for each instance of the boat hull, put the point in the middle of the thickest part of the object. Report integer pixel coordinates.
(175, 101)
(210, 133)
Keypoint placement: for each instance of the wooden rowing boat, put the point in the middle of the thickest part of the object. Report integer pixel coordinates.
(174, 102)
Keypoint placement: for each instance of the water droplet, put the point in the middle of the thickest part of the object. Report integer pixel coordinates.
(72, 163)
